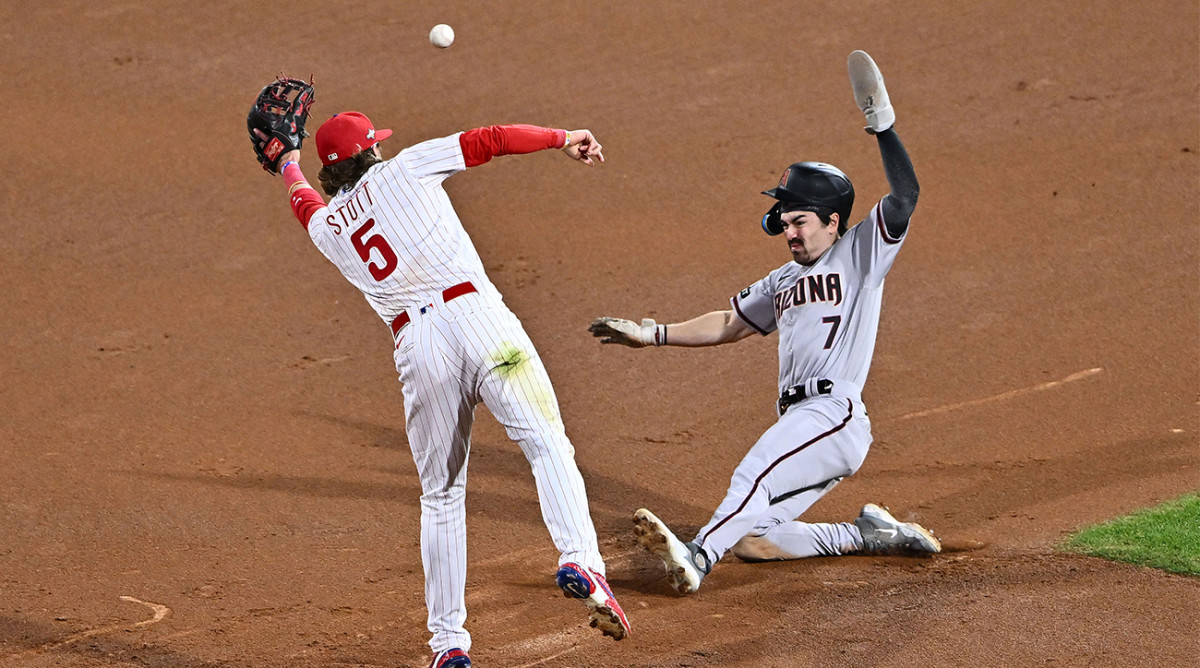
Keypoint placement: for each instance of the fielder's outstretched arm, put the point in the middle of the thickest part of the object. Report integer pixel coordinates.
(478, 146)
(482, 144)
(710, 329)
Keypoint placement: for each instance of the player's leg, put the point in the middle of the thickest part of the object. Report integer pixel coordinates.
(796, 461)
(799, 458)
(517, 390)
(778, 537)
(439, 414)
(520, 397)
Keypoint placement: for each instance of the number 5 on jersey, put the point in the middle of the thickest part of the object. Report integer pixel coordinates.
(363, 244)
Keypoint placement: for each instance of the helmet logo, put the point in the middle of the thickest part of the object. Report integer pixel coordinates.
(784, 179)
(371, 133)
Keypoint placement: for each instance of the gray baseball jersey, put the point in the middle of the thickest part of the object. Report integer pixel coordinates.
(827, 314)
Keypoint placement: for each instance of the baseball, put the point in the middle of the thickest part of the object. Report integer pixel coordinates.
(441, 36)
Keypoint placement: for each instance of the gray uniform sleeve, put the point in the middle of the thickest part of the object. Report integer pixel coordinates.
(874, 246)
(755, 306)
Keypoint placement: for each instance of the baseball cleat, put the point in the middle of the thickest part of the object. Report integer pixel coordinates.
(884, 534)
(869, 91)
(686, 563)
(603, 610)
(451, 658)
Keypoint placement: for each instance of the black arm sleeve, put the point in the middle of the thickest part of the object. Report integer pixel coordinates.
(898, 206)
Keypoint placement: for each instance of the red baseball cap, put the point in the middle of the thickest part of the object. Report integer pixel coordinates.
(344, 135)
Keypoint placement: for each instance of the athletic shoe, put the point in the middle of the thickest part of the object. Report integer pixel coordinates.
(605, 613)
(884, 534)
(869, 92)
(451, 658)
(686, 563)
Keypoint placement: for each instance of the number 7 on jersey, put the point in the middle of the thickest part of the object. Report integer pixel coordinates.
(835, 320)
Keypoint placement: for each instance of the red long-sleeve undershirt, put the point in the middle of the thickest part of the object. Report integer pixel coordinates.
(305, 200)
(483, 144)
(478, 146)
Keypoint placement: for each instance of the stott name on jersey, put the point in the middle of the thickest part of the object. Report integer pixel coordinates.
(351, 210)
(826, 288)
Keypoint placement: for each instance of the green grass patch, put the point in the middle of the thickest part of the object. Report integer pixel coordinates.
(1165, 536)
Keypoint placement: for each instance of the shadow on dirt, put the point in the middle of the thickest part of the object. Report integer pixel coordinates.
(23, 642)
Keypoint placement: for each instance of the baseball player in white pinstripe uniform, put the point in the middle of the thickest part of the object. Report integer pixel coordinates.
(825, 304)
(389, 227)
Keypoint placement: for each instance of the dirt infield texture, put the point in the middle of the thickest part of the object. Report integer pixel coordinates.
(202, 437)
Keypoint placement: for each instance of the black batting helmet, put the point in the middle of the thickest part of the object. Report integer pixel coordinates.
(815, 184)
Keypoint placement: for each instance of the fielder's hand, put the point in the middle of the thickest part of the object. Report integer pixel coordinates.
(625, 332)
(870, 93)
(582, 146)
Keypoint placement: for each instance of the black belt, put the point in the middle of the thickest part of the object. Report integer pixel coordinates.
(794, 395)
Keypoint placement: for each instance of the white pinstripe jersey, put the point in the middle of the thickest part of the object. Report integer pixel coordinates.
(827, 314)
(395, 236)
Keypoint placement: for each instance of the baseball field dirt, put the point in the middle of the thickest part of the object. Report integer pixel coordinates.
(202, 436)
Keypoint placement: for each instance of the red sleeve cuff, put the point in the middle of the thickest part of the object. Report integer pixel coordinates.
(304, 198)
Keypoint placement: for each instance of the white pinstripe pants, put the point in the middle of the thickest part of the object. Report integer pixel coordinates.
(456, 355)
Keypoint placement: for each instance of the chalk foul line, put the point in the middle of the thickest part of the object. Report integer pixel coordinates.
(160, 613)
(1040, 387)
(542, 662)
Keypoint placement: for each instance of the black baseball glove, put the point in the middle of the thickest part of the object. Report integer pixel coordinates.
(276, 121)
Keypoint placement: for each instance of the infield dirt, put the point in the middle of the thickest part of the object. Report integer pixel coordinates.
(200, 414)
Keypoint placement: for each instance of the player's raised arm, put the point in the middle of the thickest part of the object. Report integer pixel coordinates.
(899, 204)
(872, 98)
(710, 329)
